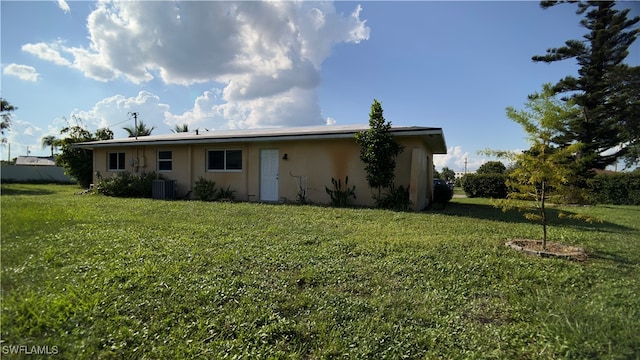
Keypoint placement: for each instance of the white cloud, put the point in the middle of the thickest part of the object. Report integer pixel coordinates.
(455, 159)
(49, 52)
(115, 112)
(211, 111)
(23, 72)
(266, 55)
(62, 4)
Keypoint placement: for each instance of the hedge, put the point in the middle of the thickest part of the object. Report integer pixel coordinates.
(616, 189)
(485, 185)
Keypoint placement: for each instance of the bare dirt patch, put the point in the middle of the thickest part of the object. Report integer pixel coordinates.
(534, 247)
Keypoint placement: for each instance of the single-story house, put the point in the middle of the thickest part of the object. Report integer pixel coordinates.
(272, 164)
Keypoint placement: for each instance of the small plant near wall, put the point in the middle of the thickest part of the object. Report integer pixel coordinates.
(205, 190)
(394, 198)
(226, 194)
(339, 195)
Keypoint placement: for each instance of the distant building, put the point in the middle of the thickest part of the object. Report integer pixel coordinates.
(34, 169)
(35, 161)
(460, 174)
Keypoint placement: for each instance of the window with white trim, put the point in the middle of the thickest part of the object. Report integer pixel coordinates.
(224, 160)
(116, 161)
(165, 161)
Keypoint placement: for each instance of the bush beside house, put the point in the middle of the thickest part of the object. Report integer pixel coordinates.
(485, 185)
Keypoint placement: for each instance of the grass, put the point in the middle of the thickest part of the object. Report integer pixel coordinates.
(103, 278)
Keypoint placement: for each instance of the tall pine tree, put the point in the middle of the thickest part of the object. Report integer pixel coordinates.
(607, 90)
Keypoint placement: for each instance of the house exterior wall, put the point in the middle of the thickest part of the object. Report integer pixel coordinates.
(317, 160)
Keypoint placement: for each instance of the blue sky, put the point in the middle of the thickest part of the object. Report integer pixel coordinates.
(222, 65)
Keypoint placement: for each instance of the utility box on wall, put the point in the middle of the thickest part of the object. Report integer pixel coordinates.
(164, 189)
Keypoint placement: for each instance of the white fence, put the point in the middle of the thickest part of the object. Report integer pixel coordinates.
(51, 174)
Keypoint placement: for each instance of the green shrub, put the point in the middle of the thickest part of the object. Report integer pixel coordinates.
(340, 196)
(125, 184)
(616, 189)
(485, 185)
(205, 190)
(395, 198)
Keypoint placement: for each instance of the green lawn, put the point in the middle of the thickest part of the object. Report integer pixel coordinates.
(101, 278)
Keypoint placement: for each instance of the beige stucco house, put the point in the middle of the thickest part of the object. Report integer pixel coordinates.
(272, 164)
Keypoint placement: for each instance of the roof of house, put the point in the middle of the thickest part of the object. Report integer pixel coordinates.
(35, 161)
(433, 136)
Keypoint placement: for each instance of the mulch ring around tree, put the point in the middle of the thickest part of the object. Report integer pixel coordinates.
(534, 247)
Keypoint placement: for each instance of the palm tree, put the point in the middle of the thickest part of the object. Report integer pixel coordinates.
(181, 128)
(142, 130)
(51, 141)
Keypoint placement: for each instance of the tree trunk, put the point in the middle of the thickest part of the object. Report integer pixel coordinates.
(543, 216)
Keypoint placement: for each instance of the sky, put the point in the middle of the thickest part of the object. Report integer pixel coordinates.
(235, 65)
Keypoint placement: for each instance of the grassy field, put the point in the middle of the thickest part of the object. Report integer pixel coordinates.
(99, 278)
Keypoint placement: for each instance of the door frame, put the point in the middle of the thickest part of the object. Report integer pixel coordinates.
(273, 195)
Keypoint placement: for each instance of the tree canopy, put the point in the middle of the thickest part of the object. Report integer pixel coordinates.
(49, 141)
(447, 174)
(492, 167)
(78, 163)
(607, 90)
(5, 112)
(378, 149)
(141, 130)
(184, 128)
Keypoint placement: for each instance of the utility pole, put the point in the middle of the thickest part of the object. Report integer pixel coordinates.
(135, 119)
(465, 166)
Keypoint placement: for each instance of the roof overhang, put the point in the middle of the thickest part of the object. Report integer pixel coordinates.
(433, 137)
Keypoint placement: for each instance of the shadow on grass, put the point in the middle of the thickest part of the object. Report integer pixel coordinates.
(17, 190)
(622, 261)
(488, 212)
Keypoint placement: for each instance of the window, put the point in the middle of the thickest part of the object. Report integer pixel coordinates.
(165, 161)
(224, 160)
(116, 161)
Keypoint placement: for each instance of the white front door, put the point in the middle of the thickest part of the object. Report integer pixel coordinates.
(269, 174)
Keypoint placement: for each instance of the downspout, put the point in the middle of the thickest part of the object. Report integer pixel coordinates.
(190, 164)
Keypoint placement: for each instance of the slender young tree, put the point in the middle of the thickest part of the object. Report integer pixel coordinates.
(541, 171)
(378, 149)
(606, 89)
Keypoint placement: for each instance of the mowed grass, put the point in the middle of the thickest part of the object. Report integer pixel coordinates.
(104, 278)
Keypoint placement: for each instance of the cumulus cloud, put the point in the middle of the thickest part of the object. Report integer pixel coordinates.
(115, 112)
(211, 111)
(267, 56)
(455, 159)
(23, 72)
